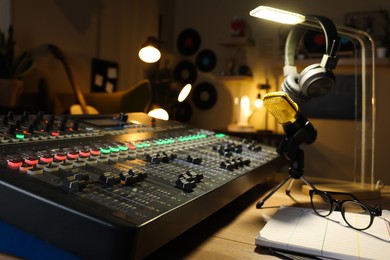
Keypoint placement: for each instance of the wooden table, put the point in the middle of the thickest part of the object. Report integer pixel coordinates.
(230, 233)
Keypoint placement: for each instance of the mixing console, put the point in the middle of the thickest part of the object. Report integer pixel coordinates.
(119, 186)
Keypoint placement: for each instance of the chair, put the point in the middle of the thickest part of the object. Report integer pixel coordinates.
(137, 98)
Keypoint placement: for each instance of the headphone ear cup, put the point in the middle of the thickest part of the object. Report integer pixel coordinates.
(316, 81)
(291, 87)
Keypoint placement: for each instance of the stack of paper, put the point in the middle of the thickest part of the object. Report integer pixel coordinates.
(302, 230)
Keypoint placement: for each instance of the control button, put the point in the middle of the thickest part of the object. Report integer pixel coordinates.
(34, 171)
(71, 184)
(14, 163)
(25, 167)
(127, 179)
(66, 166)
(254, 147)
(95, 151)
(84, 153)
(139, 175)
(109, 178)
(227, 165)
(72, 155)
(184, 184)
(31, 160)
(194, 160)
(60, 156)
(166, 158)
(79, 163)
(46, 158)
(51, 168)
(153, 159)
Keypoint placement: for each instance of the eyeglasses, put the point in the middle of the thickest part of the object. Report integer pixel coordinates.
(356, 214)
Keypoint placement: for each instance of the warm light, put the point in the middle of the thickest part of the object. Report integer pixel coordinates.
(184, 93)
(258, 101)
(277, 15)
(159, 113)
(149, 54)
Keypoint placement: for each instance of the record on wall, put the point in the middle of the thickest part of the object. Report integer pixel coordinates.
(206, 60)
(204, 96)
(185, 71)
(188, 42)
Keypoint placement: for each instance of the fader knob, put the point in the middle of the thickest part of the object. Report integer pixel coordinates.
(184, 184)
(109, 178)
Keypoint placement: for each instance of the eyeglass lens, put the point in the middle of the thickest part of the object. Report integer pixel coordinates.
(321, 203)
(355, 214)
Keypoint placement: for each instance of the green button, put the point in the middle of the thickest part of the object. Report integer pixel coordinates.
(114, 149)
(19, 136)
(104, 150)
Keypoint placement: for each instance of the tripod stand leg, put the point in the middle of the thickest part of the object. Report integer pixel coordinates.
(261, 203)
(289, 187)
(308, 183)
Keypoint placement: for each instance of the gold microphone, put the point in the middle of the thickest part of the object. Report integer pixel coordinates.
(297, 128)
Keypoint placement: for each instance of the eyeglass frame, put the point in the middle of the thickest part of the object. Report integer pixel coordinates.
(338, 205)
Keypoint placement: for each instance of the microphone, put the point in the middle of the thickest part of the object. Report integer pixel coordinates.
(297, 127)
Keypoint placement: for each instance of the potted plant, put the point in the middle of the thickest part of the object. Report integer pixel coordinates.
(12, 69)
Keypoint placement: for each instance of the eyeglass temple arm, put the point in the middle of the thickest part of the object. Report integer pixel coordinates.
(341, 193)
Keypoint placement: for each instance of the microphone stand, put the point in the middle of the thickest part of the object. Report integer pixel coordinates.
(289, 149)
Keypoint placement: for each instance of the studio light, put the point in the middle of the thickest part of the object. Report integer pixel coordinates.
(277, 15)
(150, 52)
(184, 92)
(258, 101)
(159, 113)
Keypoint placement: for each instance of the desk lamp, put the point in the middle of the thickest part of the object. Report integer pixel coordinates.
(364, 151)
(150, 52)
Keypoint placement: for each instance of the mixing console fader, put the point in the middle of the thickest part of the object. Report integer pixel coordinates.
(119, 186)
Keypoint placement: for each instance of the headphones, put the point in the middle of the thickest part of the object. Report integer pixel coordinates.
(316, 79)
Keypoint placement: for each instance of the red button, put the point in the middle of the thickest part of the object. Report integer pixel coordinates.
(14, 163)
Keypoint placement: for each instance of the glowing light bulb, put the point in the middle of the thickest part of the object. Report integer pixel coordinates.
(149, 54)
(184, 93)
(258, 102)
(277, 15)
(159, 113)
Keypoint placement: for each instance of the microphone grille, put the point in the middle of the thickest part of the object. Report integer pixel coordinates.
(281, 106)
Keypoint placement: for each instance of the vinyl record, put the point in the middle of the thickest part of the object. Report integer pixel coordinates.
(204, 96)
(185, 71)
(206, 60)
(188, 42)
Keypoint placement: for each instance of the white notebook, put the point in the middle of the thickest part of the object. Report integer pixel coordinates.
(302, 230)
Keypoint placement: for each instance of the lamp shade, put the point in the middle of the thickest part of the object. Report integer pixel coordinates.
(277, 15)
(185, 91)
(150, 52)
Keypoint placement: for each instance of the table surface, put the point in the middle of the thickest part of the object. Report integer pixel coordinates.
(230, 232)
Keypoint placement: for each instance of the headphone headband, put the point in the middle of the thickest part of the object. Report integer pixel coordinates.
(332, 43)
